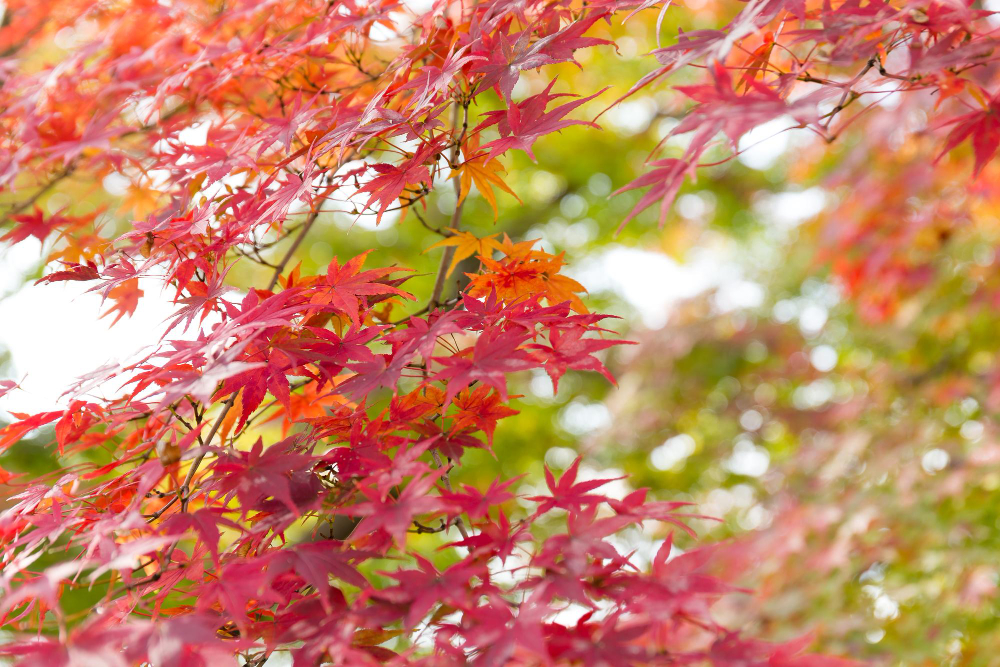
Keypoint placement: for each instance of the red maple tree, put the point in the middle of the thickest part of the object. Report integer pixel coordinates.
(305, 113)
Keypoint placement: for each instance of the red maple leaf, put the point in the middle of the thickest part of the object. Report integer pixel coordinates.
(422, 588)
(383, 511)
(495, 354)
(523, 123)
(126, 296)
(81, 272)
(392, 179)
(567, 493)
(480, 407)
(982, 126)
(347, 285)
(477, 504)
(569, 349)
(32, 224)
(261, 473)
(205, 522)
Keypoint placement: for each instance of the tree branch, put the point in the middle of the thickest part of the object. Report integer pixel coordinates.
(291, 251)
(456, 216)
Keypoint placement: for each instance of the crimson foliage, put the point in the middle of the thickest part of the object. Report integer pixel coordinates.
(187, 527)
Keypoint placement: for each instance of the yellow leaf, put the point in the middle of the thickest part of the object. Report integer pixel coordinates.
(978, 95)
(374, 636)
(466, 245)
(485, 175)
(560, 288)
(230, 419)
(195, 185)
(140, 201)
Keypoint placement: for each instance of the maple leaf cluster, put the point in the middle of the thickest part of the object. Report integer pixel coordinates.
(211, 540)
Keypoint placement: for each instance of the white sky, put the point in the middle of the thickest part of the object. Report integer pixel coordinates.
(54, 334)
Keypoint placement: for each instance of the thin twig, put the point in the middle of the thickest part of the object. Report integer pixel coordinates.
(447, 485)
(456, 216)
(71, 167)
(423, 310)
(184, 492)
(27, 203)
(443, 232)
(291, 251)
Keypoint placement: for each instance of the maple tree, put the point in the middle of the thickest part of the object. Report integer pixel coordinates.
(237, 126)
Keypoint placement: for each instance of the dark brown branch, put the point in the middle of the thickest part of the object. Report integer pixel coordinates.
(291, 251)
(456, 216)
